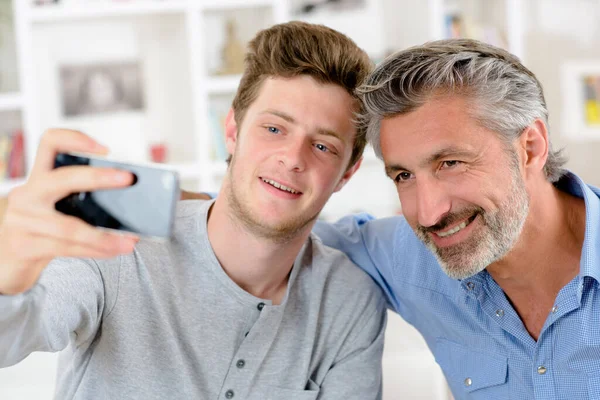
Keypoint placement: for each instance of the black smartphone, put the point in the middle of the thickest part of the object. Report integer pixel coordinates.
(147, 207)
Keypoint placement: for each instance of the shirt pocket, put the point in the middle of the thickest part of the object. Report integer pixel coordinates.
(472, 375)
(277, 393)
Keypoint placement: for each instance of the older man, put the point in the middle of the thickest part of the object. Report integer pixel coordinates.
(514, 310)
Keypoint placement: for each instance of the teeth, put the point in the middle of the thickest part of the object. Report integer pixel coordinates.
(453, 230)
(279, 186)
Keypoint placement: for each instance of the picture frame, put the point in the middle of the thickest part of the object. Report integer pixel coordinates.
(101, 88)
(580, 87)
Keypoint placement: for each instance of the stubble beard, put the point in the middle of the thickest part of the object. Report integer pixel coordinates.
(500, 231)
(282, 232)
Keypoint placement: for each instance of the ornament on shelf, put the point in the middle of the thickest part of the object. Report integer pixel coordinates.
(158, 152)
(232, 52)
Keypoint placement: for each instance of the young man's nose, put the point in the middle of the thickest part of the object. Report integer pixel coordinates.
(293, 156)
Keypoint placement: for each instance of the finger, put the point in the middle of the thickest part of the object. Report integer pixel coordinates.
(70, 230)
(63, 181)
(54, 141)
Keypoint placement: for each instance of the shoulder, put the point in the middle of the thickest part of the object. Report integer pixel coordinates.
(339, 274)
(189, 209)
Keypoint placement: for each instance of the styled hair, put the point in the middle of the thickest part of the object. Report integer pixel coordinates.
(504, 95)
(297, 48)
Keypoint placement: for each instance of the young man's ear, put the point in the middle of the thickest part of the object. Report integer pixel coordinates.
(348, 174)
(231, 131)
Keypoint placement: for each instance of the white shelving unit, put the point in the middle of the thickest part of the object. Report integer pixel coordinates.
(78, 12)
(174, 37)
(504, 15)
(10, 101)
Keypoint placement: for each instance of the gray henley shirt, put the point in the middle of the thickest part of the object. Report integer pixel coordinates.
(166, 322)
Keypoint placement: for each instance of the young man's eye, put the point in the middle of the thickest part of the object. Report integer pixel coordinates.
(402, 176)
(272, 129)
(322, 147)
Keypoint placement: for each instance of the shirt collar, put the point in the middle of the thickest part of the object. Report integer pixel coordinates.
(590, 252)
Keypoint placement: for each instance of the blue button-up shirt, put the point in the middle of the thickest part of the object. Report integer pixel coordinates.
(473, 331)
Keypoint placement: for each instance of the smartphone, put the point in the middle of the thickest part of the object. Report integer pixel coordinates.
(147, 207)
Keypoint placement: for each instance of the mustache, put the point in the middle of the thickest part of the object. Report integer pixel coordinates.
(451, 218)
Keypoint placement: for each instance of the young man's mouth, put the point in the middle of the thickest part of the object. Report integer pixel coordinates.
(281, 186)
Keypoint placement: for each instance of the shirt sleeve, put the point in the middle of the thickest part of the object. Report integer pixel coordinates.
(66, 305)
(357, 375)
(369, 243)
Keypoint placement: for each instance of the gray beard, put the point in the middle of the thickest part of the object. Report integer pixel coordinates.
(500, 231)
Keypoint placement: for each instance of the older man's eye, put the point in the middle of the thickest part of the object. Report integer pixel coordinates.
(450, 163)
(402, 176)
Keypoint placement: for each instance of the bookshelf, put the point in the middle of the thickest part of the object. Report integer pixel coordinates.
(173, 41)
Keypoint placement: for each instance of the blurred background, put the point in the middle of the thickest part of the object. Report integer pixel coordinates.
(153, 80)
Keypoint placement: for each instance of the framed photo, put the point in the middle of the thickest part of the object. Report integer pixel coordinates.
(101, 88)
(581, 100)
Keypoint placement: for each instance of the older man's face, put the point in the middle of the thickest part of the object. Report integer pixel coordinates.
(461, 189)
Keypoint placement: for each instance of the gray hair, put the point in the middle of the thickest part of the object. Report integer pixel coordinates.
(507, 96)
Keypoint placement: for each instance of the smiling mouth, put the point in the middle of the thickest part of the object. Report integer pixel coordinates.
(280, 186)
(457, 228)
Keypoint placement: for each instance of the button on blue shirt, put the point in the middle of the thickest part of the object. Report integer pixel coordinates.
(473, 331)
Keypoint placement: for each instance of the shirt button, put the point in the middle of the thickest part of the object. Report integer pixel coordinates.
(260, 306)
(542, 370)
(499, 313)
(240, 364)
(470, 285)
(554, 309)
(229, 394)
(468, 382)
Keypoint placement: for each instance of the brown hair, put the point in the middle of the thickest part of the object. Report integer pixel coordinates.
(298, 48)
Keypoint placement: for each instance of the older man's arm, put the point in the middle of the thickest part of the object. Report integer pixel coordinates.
(185, 195)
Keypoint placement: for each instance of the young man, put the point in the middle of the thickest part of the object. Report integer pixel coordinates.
(242, 302)
(514, 310)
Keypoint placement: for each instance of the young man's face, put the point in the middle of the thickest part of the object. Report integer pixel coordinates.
(461, 189)
(290, 154)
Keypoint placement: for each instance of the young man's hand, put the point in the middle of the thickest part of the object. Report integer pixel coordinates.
(32, 232)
